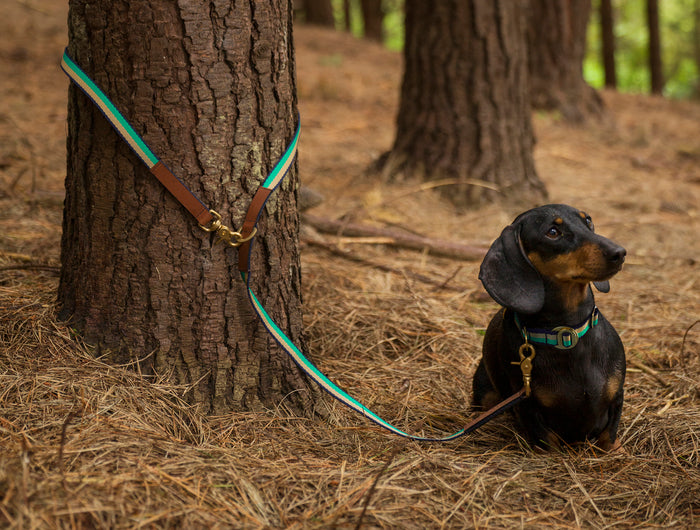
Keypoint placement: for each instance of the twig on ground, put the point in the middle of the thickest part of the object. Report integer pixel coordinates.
(336, 251)
(437, 247)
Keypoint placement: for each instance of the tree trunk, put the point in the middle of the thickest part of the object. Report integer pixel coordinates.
(655, 65)
(319, 12)
(214, 95)
(696, 46)
(346, 15)
(464, 112)
(607, 32)
(557, 46)
(372, 17)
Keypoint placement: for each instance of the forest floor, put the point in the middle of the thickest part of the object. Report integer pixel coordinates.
(88, 445)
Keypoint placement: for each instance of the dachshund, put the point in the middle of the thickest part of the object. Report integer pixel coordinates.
(540, 270)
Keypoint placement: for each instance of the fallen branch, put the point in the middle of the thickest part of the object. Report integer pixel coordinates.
(437, 247)
(335, 250)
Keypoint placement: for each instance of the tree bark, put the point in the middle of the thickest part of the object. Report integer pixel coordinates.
(465, 110)
(212, 90)
(373, 18)
(557, 46)
(319, 12)
(656, 73)
(607, 32)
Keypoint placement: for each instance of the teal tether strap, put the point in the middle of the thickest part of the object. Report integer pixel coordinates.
(125, 130)
(178, 188)
(244, 240)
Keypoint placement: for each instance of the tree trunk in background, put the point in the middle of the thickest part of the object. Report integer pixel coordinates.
(465, 110)
(655, 65)
(319, 12)
(346, 14)
(557, 47)
(214, 95)
(607, 32)
(373, 17)
(696, 46)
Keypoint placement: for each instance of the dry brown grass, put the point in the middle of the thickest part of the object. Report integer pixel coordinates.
(90, 445)
(87, 444)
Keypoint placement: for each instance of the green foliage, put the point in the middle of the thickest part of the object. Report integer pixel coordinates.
(392, 24)
(356, 23)
(677, 20)
(678, 28)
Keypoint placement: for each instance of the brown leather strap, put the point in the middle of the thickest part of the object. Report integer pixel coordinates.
(495, 411)
(251, 217)
(182, 193)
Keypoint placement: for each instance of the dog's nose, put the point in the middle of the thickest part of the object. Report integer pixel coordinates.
(615, 254)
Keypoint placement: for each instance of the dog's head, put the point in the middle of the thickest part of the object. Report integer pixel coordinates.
(556, 242)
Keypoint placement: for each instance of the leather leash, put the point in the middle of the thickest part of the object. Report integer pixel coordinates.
(210, 221)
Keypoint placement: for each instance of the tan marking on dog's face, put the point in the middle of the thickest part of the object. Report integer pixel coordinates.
(572, 272)
(583, 265)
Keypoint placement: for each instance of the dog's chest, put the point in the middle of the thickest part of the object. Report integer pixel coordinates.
(567, 386)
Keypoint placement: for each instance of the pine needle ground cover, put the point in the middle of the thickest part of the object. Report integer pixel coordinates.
(86, 444)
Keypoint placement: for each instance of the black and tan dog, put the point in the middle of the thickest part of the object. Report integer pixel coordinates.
(540, 269)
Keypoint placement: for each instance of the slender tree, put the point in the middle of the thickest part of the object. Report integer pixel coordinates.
(607, 33)
(655, 65)
(319, 12)
(464, 113)
(557, 46)
(211, 87)
(696, 46)
(372, 16)
(346, 15)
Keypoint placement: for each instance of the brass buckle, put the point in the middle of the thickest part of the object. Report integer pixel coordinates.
(565, 331)
(225, 234)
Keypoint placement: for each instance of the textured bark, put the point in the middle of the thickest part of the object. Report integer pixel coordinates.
(465, 111)
(373, 18)
(607, 32)
(557, 46)
(212, 90)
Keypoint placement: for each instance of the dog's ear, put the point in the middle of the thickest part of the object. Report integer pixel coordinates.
(603, 287)
(509, 277)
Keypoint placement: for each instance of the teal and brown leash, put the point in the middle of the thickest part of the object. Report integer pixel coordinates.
(210, 221)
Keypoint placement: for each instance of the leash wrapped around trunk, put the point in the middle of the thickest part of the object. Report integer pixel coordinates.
(210, 221)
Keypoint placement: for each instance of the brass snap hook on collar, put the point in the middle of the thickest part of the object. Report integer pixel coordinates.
(527, 354)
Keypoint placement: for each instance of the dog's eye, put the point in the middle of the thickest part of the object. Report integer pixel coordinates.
(553, 232)
(589, 222)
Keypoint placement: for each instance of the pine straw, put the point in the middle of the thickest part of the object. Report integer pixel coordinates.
(88, 444)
